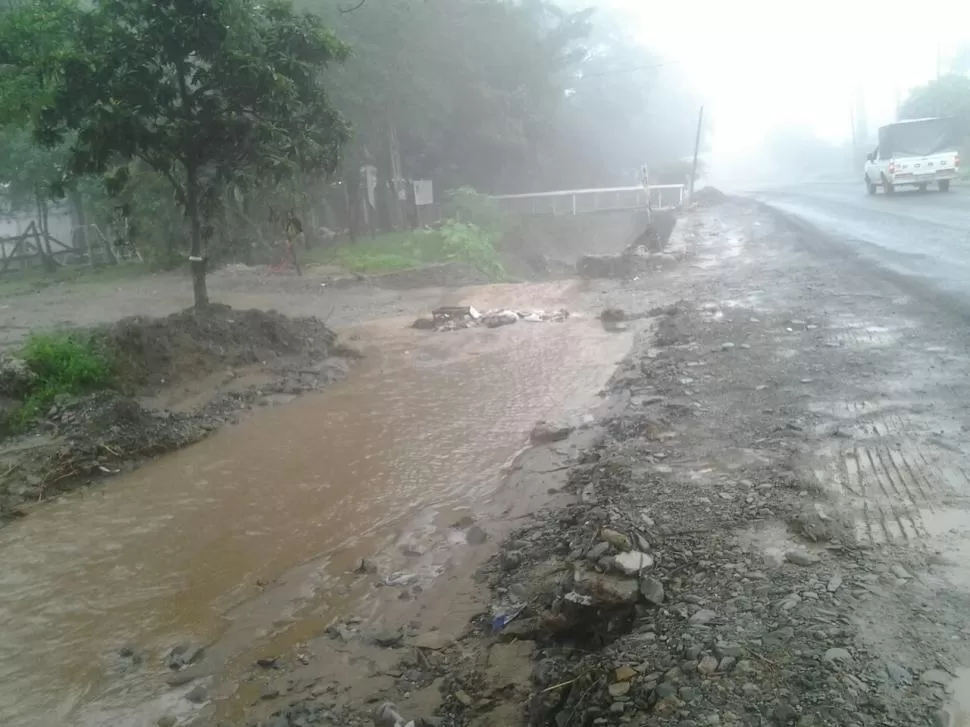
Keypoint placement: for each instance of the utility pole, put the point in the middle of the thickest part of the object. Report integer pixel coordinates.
(697, 150)
(855, 132)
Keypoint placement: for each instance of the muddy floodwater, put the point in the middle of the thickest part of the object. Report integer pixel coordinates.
(230, 542)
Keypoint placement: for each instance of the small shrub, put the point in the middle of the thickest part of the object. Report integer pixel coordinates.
(64, 364)
(467, 205)
(472, 245)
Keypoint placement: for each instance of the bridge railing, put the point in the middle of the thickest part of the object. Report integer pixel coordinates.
(585, 201)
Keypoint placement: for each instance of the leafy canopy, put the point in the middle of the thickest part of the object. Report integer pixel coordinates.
(208, 93)
(222, 85)
(946, 96)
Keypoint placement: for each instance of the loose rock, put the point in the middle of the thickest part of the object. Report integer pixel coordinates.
(495, 319)
(801, 557)
(708, 665)
(476, 536)
(632, 562)
(198, 694)
(652, 591)
(702, 617)
(616, 539)
(837, 655)
(546, 433)
(619, 689)
(605, 590)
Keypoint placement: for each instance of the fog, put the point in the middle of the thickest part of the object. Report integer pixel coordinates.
(772, 75)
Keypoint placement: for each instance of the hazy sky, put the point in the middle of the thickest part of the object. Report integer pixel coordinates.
(760, 64)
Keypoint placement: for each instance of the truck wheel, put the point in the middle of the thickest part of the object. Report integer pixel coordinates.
(922, 188)
(871, 186)
(944, 185)
(888, 186)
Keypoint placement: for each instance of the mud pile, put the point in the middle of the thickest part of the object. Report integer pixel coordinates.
(80, 439)
(708, 197)
(149, 352)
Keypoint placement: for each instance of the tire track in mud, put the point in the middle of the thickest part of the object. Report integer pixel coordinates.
(885, 476)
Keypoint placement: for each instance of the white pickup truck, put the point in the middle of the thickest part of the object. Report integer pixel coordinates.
(914, 153)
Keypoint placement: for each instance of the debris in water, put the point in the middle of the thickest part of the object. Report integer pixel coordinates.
(546, 433)
(503, 619)
(495, 319)
(453, 318)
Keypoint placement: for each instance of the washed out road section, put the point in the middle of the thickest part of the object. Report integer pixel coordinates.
(168, 553)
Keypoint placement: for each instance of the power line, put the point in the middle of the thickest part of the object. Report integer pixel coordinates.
(630, 70)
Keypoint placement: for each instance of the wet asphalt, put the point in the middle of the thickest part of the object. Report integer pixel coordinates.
(923, 237)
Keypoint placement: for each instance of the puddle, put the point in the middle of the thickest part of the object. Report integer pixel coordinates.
(226, 542)
(855, 332)
(769, 540)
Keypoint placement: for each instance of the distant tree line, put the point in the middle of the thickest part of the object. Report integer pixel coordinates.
(197, 129)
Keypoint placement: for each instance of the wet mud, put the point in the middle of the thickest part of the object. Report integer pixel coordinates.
(245, 540)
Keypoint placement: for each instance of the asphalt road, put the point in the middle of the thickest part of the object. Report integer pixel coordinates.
(923, 236)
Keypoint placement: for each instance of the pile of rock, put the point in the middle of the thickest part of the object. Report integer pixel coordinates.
(453, 318)
(16, 377)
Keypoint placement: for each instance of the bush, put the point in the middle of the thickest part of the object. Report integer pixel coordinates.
(471, 245)
(451, 241)
(64, 364)
(466, 205)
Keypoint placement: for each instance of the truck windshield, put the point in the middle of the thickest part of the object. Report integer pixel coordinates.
(916, 138)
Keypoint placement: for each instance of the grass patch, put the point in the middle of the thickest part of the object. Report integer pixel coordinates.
(13, 283)
(62, 363)
(452, 241)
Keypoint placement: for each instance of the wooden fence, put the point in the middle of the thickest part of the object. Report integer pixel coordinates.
(31, 248)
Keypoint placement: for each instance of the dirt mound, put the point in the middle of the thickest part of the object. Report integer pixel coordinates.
(709, 197)
(148, 351)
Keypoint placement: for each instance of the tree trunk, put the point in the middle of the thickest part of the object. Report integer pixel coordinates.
(40, 236)
(351, 194)
(397, 216)
(196, 260)
(81, 240)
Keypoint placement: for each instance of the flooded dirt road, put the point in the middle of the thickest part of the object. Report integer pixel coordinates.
(223, 543)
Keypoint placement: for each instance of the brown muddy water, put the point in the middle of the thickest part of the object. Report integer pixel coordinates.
(230, 542)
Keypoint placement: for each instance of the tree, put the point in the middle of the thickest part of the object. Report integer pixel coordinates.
(625, 106)
(946, 96)
(208, 93)
(32, 35)
(960, 63)
(462, 91)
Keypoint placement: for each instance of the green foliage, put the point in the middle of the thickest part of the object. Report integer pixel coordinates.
(209, 94)
(26, 170)
(467, 243)
(452, 241)
(32, 36)
(467, 205)
(945, 96)
(210, 119)
(64, 364)
(470, 86)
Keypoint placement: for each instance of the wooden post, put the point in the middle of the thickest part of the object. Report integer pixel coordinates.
(697, 150)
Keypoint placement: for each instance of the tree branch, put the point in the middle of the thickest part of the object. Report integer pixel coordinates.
(346, 11)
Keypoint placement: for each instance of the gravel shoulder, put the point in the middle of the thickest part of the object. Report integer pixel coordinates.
(765, 525)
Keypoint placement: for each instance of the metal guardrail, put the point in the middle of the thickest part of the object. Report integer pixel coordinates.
(583, 201)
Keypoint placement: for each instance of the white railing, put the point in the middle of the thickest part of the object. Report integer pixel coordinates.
(604, 199)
